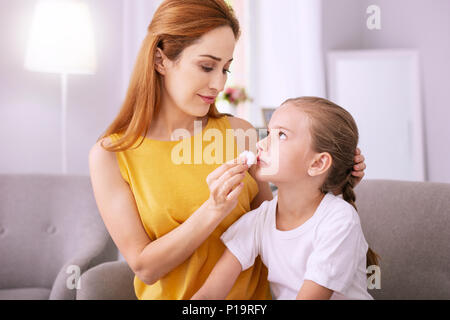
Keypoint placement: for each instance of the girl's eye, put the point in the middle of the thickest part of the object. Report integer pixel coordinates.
(279, 134)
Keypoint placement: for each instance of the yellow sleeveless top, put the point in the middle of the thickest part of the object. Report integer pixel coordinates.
(167, 192)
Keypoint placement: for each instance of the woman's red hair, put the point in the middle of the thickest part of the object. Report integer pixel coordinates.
(176, 25)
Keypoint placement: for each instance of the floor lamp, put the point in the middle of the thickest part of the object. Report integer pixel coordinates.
(61, 41)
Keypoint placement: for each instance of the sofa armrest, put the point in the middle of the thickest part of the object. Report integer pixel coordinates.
(107, 281)
(102, 249)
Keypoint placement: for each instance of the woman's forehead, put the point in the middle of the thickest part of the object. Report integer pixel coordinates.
(219, 43)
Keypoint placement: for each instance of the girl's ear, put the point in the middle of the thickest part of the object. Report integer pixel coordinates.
(160, 58)
(320, 164)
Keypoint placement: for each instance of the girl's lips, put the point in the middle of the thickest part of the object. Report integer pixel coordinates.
(208, 100)
(260, 162)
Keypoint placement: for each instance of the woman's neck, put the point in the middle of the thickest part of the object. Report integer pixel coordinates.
(170, 118)
(297, 203)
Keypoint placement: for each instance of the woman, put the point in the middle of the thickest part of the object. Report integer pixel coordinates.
(166, 218)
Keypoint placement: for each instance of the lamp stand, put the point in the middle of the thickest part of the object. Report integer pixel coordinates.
(63, 121)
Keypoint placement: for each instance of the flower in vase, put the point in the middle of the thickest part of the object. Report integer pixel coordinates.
(235, 95)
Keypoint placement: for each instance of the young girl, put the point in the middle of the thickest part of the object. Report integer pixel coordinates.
(310, 239)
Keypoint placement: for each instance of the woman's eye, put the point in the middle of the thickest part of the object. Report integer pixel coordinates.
(207, 69)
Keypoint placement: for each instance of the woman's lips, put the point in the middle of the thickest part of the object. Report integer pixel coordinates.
(208, 100)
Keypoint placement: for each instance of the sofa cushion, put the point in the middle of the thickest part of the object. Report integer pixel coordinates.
(24, 294)
(408, 225)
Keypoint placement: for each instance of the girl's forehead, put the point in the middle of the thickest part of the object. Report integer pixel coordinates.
(290, 117)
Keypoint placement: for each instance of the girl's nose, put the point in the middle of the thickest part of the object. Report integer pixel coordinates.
(262, 145)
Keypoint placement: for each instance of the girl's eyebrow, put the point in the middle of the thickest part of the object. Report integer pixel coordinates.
(280, 127)
(212, 57)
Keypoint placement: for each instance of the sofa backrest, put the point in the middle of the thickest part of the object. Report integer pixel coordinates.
(44, 221)
(408, 225)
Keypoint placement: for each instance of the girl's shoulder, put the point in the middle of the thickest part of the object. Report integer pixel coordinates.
(258, 216)
(336, 213)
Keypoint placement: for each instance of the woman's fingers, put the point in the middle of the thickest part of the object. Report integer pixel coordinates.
(222, 186)
(358, 159)
(360, 167)
(217, 173)
(358, 174)
(240, 168)
(236, 192)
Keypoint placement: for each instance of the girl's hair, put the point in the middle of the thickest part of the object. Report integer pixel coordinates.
(176, 25)
(334, 130)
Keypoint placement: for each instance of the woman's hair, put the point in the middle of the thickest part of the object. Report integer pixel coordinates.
(334, 130)
(176, 25)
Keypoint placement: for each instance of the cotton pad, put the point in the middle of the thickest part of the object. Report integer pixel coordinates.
(250, 156)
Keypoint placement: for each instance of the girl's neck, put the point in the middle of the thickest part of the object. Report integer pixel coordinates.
(297, 203)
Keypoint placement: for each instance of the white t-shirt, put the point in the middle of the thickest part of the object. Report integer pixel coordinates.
(329, 249)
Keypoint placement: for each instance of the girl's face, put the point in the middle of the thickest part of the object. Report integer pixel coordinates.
(193, 81)
(285, 154)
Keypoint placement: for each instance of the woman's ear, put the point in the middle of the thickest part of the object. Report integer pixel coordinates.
(320, 164)
(160, 58)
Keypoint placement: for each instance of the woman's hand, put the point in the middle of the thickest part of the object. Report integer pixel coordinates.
(225, 184)
(359, 166)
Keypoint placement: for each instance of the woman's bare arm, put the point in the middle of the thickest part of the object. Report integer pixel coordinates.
(150, 260)
(221, 279)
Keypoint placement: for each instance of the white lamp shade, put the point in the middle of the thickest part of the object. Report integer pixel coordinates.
(61, 38)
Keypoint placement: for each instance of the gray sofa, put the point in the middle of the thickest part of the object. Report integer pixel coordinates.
(50, 223)
(50, 233)
(406, 223)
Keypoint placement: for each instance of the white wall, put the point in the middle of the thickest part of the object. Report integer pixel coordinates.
(30, 103)
(418, 24)
(285, 52)
(424, 25)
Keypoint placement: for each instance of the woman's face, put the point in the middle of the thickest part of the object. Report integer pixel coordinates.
(200, 71)
(285, 154)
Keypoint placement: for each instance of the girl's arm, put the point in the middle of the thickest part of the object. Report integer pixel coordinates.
(221, 279)
(313, 291)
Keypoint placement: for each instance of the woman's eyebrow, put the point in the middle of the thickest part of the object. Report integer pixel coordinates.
(212, 57)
